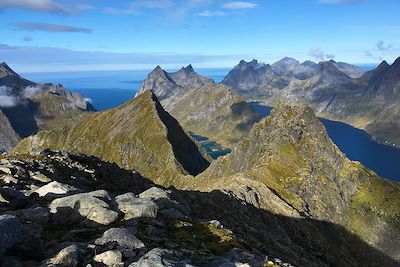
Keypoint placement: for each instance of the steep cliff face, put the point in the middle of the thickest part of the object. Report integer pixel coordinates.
(170, 88)
(31, 107)
(289, 157)
(216, 112)
(138, 135)
(8, 137)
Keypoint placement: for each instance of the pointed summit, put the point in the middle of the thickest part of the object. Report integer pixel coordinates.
(139, 135)
(5, 70)
(170, 87)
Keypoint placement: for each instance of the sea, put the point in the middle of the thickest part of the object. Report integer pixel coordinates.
(109, 89)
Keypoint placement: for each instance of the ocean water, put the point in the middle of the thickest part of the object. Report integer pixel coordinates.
(110, 89)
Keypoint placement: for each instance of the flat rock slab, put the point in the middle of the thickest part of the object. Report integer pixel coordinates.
(134, 207)
(94, 206)
(122, 236)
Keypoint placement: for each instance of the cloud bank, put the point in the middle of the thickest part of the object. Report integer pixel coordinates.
(35, 5)
(47, 27)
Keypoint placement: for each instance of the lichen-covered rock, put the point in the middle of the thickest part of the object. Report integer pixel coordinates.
(67, 257)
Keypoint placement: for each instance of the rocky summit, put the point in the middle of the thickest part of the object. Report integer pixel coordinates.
(30, 107)
(171, 87)
(138, 135)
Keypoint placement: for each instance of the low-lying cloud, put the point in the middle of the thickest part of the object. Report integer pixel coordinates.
(317, 53)
(6, 99)
(240, 5)
(47, 27)
(61, 59)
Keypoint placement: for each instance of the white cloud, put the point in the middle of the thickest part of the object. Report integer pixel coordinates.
(36, 5)
(30, 91)
(6, 99)
(317, 53)
(238, 5)
(88, 100)
(208, 13)
(382, 47)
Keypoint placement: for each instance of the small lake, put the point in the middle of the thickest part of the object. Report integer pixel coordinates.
(213, 149)
(358, 146)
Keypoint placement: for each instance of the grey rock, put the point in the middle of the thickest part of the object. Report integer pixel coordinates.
(68, 257)
(110, 258)
(39, 177)
(134, 207)
(14, 197)
(38, 215)
(159, 257)
(173, 213)
(10, 232)
(154, 193)
(122, 236)
(11, 262)
(94, 206)
(55, 189)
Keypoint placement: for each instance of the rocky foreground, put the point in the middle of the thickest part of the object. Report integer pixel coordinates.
(59, 209)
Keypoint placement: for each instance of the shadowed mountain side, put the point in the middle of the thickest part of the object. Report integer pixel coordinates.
(300, 241)
(138, 135)
(8, 137)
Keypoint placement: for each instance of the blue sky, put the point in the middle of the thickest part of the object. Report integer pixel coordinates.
(69, 35)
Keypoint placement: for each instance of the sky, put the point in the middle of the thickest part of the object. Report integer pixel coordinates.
(69, 35)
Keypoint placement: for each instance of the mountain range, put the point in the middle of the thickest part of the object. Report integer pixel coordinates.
(336, 90)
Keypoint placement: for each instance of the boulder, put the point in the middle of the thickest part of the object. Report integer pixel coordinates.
(10, 232)
(39, 177)
(68, 257)
(134, 207)
(94, 207)
(8, 179)
(112, 258)
(159, 257)
(55, 189)
(154, 193)
(122, 236)
(37, 215)
(14, 197)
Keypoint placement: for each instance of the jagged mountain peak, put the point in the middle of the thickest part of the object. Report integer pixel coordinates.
(396, 64)
(138, 135)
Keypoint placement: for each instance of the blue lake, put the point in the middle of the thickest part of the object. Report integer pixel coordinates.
(358, 146)
(110, 89)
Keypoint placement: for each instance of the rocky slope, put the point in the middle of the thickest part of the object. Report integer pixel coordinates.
(171, 87)
(60, 209)
(31, 107)
(138, 135)
(8, 137)
(216, 112)
(292, 167)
